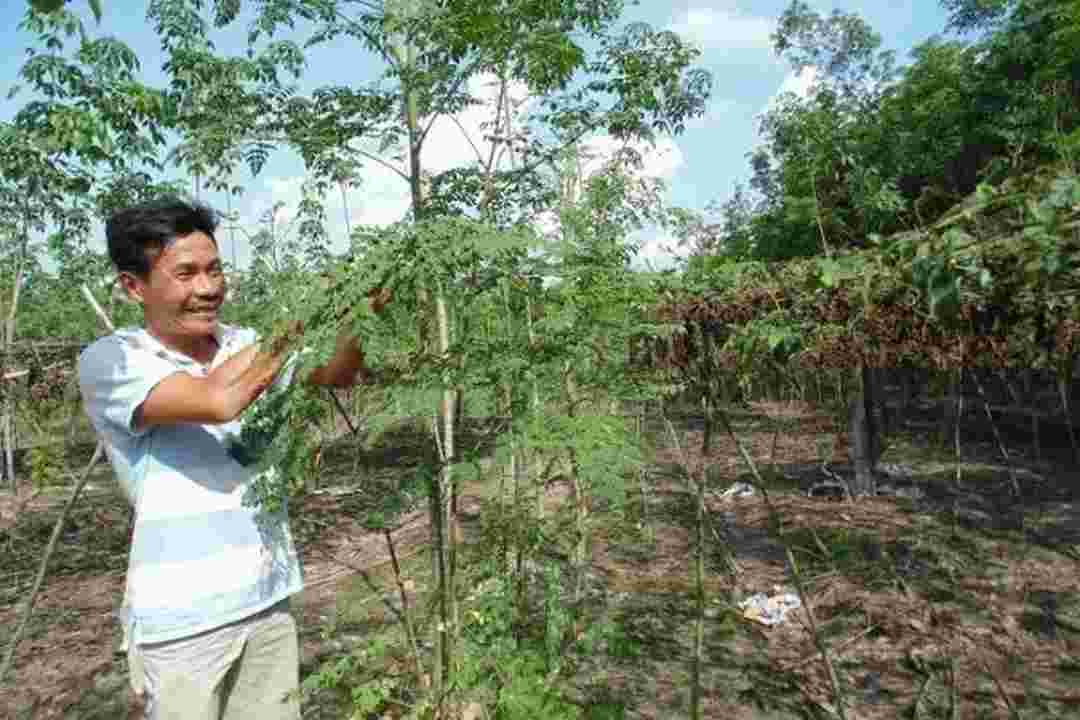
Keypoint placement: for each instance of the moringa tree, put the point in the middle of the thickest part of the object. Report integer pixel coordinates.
(583, 73)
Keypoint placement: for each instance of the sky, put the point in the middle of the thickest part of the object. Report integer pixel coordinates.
(700, 166)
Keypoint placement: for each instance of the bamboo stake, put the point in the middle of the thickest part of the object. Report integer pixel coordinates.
(956, 438)
(1014, 712)
(1065, 379)
(49, 549)
(997, 434)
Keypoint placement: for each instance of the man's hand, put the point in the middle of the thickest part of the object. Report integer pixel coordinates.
(293, 332)
(219, 397)
(380, 297)
(346, 366)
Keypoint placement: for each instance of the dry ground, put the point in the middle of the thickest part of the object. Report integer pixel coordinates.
(958, 598)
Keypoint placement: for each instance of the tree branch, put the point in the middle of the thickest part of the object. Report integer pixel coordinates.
(384, 163)
(458, 81)
(358, 27)
(468, 139)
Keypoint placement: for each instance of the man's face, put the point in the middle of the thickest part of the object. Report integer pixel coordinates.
(184, 289)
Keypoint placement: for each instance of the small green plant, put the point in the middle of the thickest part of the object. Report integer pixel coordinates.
(46, 466)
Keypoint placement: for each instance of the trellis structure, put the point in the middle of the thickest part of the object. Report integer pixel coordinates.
(31, 372)
(992, 286)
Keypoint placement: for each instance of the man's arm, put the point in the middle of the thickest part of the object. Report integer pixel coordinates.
(348, 360)
(343, 367)
(220, 397)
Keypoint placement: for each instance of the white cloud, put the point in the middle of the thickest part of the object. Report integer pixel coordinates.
(380, 197)
(457, 142)
(799, 83)
(658, 251)
(660, 161)
(724, 28)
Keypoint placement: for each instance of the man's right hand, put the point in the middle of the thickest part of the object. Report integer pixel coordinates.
(219, 397)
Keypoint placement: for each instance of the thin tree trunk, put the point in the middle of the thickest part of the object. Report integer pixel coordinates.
(535, 401)
(447, 490)
(232, 232)
(440, 503)
(406, 615)
(345, 207)
(817, 215)
(580, 500)
(516, 564)
(862, 433)
(441, 669)
(8, 437)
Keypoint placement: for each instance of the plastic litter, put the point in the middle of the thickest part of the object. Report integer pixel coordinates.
(739, 489)
(769, 610)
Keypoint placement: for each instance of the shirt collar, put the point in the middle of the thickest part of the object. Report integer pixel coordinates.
(223, 334)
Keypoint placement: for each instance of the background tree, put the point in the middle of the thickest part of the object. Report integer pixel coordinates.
(66, 154)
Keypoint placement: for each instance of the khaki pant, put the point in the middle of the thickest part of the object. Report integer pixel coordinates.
(240, 671)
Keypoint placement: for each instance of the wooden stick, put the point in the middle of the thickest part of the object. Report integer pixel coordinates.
(819, 642)
(341, 408)
(1014, 713)
(919, 697)
(405, 617)
(997, 436)
(1064, 382)
(99, 451)
(97, 308)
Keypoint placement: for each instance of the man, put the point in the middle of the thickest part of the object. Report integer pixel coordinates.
(209, 632)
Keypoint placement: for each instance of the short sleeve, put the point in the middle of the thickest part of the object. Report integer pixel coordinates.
(115, 378)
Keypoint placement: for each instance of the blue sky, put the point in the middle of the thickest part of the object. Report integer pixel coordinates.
(700, 166)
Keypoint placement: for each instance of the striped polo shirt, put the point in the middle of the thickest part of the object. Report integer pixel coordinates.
(199, 558)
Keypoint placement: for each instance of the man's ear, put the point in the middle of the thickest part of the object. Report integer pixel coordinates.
(130, 287)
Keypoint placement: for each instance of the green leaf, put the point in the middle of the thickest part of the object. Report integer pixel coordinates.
(46, 6)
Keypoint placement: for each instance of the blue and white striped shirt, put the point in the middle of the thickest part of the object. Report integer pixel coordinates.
(199, 559)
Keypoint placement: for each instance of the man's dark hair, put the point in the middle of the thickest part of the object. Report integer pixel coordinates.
(149, 227)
